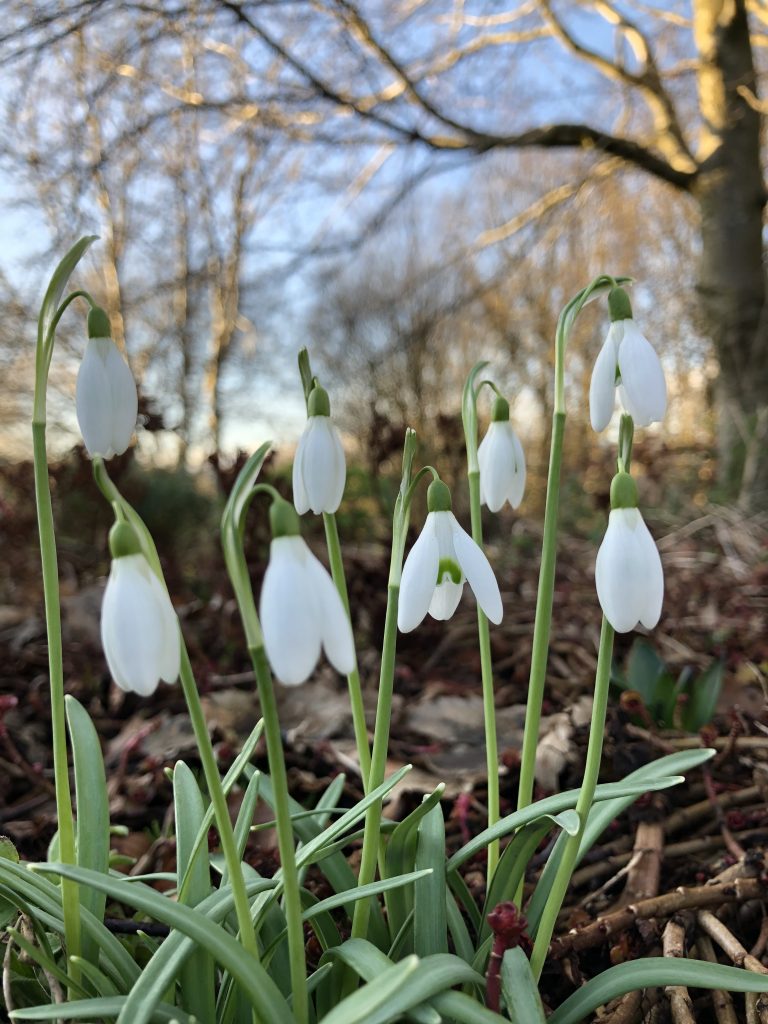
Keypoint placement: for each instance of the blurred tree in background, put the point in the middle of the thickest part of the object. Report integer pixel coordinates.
(402, 183)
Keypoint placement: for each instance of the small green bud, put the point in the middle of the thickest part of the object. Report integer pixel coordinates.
(438, 497)
(623, 491)
(319, 403)
(123, 540)
(283, 520)
(500, 413)
(619, 305)
(98, 323)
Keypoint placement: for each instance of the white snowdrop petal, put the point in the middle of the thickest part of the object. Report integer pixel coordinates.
(335, 630)
(517, 483)
(498, 467)
(642, 375)
(300, 498)
(602, 391)
(653, 584)
(479, 573)
(319, 465)
(132, 631)
(170, 656)
(124, 400)
(93, 400)
(287, 612)
(445, 600)
(419, 578)
(621, 569)
(339, 471)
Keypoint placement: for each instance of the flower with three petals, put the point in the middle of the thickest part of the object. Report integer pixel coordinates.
(139, 628)
(628, 572)
(105, 399)
(501, 460)
(627, 362)
(319, 467)
(300, 608)
(443, 558)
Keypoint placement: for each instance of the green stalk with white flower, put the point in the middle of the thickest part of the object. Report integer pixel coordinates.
(546, 588)
(496, 473)
(319, 475)
(51, 311)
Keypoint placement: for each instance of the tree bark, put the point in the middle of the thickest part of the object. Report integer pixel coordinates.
(730, 191)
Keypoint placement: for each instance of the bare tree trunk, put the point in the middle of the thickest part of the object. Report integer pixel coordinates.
(731, 194)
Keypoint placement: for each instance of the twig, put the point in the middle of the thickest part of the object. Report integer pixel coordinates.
(644, 872)
(669, 744)
(738, 891)
(722, 1001)
(680, 1004)
(730, 843)
(728, 942)
(762, 939)
(7, 991)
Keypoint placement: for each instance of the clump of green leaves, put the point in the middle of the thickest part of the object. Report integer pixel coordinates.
(687, 702)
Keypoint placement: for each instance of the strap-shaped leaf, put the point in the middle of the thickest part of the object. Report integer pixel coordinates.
(519, 989)
(95, 1009)
(652, 972)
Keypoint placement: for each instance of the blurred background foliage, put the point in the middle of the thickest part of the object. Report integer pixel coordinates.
(405, 188)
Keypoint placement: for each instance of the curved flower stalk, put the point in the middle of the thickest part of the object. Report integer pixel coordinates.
(300, 608)
(443, 558)
(627, 363)
(319, 468)
(501, 460)
(628, 572)
(139, 628)
(106, 399)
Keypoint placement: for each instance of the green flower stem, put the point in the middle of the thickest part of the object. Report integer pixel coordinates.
(545, 595)
(219, 802)
(353, 679)
(543, 619)
(291, 893)
(371, 836)
(486, 671)
(584, 803)
(66, 825)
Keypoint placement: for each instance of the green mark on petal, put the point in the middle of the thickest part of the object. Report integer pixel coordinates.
(448, 568)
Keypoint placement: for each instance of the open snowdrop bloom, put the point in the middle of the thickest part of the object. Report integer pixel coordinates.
(139, 628)
(628, 572)
(502, 462)
(300, 608)
(627, 362)
(319, 468)
(439, 563)
(105, 397)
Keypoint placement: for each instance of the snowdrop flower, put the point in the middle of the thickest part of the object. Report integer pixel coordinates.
(105, 398)
(628, 573)
(319, 469)
(139, 628)
(502, 462)
(300, 608)
(627, 362)
(441, 560)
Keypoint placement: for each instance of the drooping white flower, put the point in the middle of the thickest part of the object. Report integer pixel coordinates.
(319, 467)
(105, 398)
(139, 628)
(627, 362)
(628, 572)
(301, 611)
(502, 461)
(443, 558)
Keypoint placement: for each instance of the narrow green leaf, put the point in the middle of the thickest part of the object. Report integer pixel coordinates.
(430, 927)
(196, 978)
(603, 813)
(653, 972)
(554, 805)
(519, 989)
(372, 1004)
(91, 1009)
(92, 835)
(102, 984)
(704, 694)
(456, 1006)
(644, 669)
(401, 857)
(261, 989)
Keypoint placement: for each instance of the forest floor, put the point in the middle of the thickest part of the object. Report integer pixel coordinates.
(652, 871)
